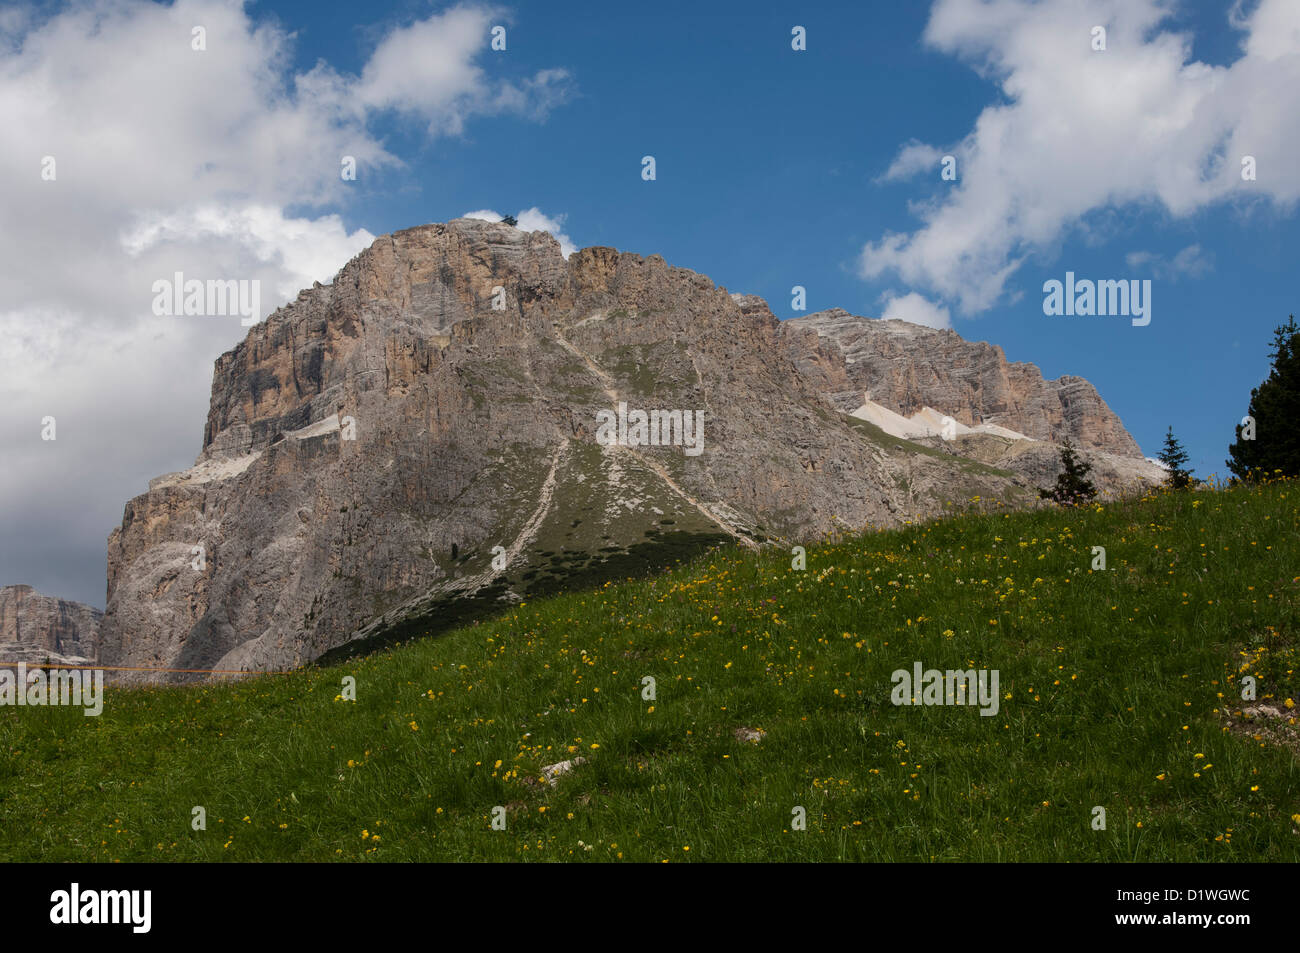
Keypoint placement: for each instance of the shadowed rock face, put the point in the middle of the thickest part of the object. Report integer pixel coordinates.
(372, 446)
(34, 627)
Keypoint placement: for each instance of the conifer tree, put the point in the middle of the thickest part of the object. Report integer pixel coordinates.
(1175, 458)
(1268, 440)
(1072, 485)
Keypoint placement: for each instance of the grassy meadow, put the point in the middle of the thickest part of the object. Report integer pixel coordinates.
(1120, 689)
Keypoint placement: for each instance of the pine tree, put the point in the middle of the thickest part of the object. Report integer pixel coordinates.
(1175, 458)
(1072, 486)
(511, 221)
(1270, 440)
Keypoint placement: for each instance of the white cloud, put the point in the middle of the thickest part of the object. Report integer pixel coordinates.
(428, 69)
(1081, 131)
(533, 220)
(916, 309)
(913, 158)
(301, 250)
(1191, 262)
(172, 159)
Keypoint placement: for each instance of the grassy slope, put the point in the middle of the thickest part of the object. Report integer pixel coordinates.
(608, 542)
(1111, 683)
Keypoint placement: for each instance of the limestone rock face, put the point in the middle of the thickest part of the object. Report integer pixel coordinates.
(907, 367)
(34, 627)
(376, 451)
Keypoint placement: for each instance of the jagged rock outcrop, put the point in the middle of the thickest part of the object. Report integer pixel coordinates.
(35, 628)
(375, 450)
(906, 367)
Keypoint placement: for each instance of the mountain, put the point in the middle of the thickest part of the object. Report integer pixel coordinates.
(372, 448)
(902, 374)
(907, 366)
(36, 628)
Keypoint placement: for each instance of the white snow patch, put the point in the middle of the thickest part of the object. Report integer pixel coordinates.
(323, 426)
(926, 422)
(209, 471)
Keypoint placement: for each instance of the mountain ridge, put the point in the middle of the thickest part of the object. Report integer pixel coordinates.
(376, 448)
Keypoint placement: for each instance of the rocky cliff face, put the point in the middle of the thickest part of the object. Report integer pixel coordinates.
(907, 367)
(34, 628)
(378, 450)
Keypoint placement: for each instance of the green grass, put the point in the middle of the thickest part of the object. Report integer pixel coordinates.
(1120, 689)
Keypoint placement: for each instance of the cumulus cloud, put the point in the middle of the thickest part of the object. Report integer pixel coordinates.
(298, 251)
(533, 220)
(428, 69)
(916, 309)
(1079, 131)
(165, 158)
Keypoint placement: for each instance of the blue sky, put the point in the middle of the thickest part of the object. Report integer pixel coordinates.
(775, 168)
(767, 166)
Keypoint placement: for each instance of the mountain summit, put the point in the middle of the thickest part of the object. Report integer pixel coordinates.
(464, 417)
